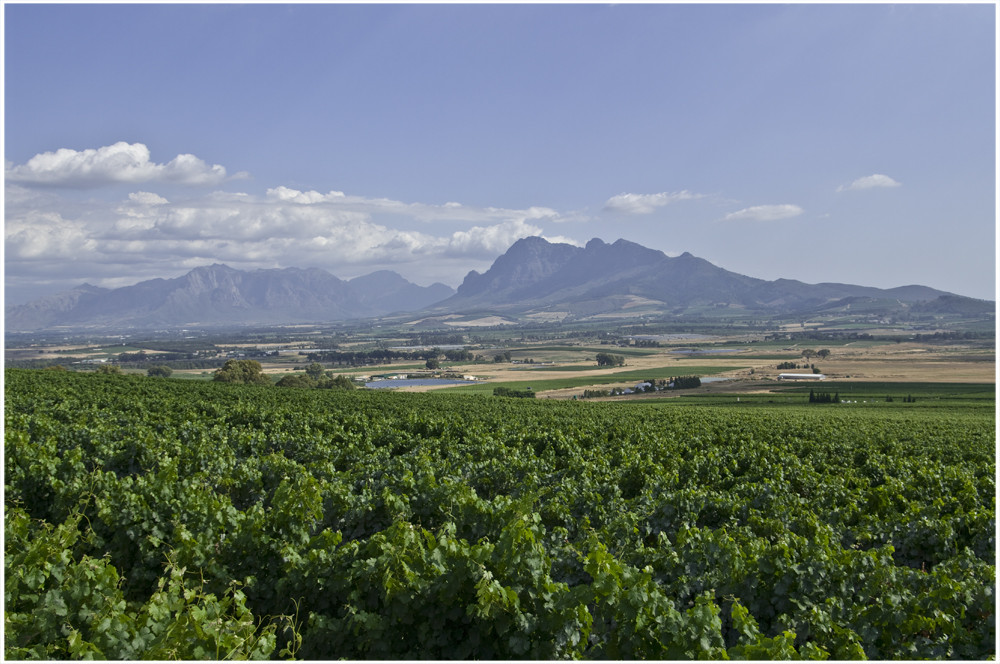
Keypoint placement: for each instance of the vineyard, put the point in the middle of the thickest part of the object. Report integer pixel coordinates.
(154, 518)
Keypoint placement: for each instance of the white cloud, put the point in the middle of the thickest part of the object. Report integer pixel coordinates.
(765, 213)
(491, 240)
(450, 211)
(147, 235)
(121, 162)
(870, 182)
(645, 203)
(46, 237)
(303, 198)
(147, 198)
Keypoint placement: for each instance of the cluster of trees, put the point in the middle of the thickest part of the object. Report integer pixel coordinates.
(242, 372)
(316, 377)
(172, 359)
(249, 372)
(823, 397)
(593, 394)
(365, 357)
(685, 382)
(510, 392)
(385, 355)
(338, 382)
(143, 356)
(821, 354)
(652, 385)
(610, 360)
(792, 365)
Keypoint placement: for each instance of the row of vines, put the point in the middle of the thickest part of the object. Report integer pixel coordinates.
(150, 518)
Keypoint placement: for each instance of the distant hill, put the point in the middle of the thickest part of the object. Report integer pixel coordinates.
(221, 295)
(535, 275)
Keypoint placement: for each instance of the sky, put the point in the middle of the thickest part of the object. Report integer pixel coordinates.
(851, 143)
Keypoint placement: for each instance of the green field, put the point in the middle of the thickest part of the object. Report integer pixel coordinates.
(164, 519)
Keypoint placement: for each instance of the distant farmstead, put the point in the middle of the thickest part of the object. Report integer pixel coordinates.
(798, 376)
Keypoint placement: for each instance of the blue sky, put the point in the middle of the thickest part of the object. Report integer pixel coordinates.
(852, 143)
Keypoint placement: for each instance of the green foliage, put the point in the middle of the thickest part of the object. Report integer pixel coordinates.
(824, 397)
(111, 369)
(686, 382)
(325, 382)
(296, 380)
(175, 519)
(160, 371)
(61, 605)
(508, 392)
(338, 382)
(610, 360)
(243, 372)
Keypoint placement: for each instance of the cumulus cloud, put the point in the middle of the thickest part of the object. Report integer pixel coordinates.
(765, 213)
(121, 162)
(46, 237)
(147, 235)
(870, 182)
(147, 198)
(645, 203)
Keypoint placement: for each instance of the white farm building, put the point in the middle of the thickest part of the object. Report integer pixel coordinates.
(797, 376)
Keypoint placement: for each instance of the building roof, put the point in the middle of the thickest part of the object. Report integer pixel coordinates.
(799, 376)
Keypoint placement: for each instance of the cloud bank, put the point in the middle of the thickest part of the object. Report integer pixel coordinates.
(765, 213)
(112, 164)
(54, 237)
(146, 235)
(645, 203)
(870, 182)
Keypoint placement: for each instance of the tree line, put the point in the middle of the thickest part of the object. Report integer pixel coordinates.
(359, 358)
(249, 372)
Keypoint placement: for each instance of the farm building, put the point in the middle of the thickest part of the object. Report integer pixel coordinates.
(797, 376)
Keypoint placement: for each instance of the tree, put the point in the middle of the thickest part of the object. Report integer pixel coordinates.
(109, 369)
(296, 380)
(433, 364)
(686, 382)
(315, 371)
(247, 372)
(823, 353)
(610, 360)
(338, 382)
(159, 371)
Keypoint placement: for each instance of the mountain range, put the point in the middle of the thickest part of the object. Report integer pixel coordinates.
(536, 275)
(533, 278)
(217, 295)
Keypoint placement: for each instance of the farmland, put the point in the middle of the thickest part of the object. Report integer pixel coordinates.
(150, 517)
